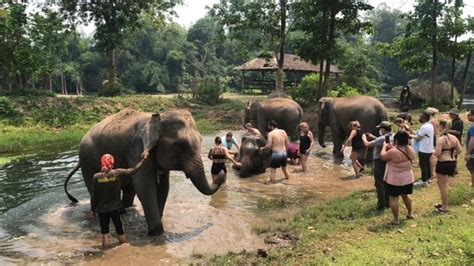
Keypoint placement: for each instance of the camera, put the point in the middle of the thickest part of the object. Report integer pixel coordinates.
(387, 139)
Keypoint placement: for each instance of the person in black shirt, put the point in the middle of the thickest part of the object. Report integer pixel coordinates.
(457, 125)
(358, 147)
(106, 200)
(405, 98)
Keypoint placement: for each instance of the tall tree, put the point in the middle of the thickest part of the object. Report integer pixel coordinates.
(272, 19)
(323, 21)
(111, 19)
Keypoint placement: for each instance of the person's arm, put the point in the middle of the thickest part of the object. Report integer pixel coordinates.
(370, 136)
(287, 141)
(269, 143)
(209, 155)
(311, 138)
(130, 171)
(470, 147)
(349, 139)
(384, 154)
(421, 134)
(228, 156)
(236, 143)
(458, 146)
(438, 149)
(456, 129)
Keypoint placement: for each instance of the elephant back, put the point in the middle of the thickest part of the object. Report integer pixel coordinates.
(286, 112)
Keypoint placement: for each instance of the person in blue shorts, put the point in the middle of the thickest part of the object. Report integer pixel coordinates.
(278, 142)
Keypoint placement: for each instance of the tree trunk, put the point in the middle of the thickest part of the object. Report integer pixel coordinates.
(110, 69)
(464, 78)
(319, 91)
(332, 24)
(63, 81)
(434, 46)
(281, 56)
(453, 70)
(50, 82)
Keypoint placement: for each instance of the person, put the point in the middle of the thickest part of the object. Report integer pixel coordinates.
(457, 125)
(425, 137)
(278, 142)
(402, 125)
(253, 131)
(293, 152)
(229, 141)
(306, 144)
(379, 165)
(218, 154)
(405, 115)
(447, 147)
(399, 174)
(469, 155)
(105, 201)
(433, 112)
(355, 138)
(405, 98)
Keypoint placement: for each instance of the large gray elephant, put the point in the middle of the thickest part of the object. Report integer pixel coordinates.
(174, 144)
(338, 112)
(286, 112)
(252, 159)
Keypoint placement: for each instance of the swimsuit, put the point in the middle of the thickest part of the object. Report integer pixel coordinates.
(357, 142)
(218, 161)
(279, 159)
(447, 167)
(305, 143)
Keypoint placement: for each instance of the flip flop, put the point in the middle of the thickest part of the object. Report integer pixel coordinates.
(410, 217)
(439, 210)
(437, 206)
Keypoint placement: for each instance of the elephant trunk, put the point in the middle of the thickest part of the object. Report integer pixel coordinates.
(196, 173)
(321, 131)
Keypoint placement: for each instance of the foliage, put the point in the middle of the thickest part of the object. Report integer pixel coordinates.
(210, 91)
(305, 93)
(344, 90)
(6, 108)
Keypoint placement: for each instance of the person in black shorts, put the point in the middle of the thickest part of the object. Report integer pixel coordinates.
(306, 144)
(106, 199)
(358, 147)
(218, 154)
(278, 142)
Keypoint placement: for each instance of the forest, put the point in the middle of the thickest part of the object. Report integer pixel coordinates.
(140, 49)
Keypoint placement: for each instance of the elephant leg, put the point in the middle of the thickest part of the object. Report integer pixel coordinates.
(146, 188)
(337, 139)
(128, 194)
(162, 191)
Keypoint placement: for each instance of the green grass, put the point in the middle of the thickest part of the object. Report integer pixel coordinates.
(349, 231)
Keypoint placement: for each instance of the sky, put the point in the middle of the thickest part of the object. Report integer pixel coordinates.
(192, 10)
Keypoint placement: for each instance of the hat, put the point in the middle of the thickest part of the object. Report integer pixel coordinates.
(454, 111)
(385, 125)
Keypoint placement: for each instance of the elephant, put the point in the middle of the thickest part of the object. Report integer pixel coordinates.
(173, 142)
(252, 159)
(286, 112)
(338, 112)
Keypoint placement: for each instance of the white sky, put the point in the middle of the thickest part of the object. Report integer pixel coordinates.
(192, 10)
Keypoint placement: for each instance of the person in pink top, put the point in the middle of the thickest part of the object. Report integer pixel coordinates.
(399, 173)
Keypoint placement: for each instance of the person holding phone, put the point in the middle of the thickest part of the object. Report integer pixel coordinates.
(386, 136)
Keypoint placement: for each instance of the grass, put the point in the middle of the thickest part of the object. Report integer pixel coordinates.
(349, 231)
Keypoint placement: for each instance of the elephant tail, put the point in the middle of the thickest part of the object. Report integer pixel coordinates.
(74, 200)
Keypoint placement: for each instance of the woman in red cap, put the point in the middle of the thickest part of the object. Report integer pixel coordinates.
(106, 199)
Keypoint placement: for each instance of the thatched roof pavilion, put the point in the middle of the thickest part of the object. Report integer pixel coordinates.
(268, 63)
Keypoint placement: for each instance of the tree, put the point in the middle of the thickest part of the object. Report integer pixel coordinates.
(322, 21)
(111, 19)
(272, 19)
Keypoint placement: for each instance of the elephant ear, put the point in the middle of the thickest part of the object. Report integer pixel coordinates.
(323, 109)
(150, 132)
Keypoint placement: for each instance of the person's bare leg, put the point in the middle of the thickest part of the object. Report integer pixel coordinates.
(442, 181)
(304, 160)
(105, 241)
(272, 175)
(285, 172)
(355, 164)
(394, 206)
(122, 239)
(472, 178)
(407, 201)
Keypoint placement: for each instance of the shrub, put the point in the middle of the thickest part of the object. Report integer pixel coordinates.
(210, 91)
(7, 110)
(343, 90)
(305, 92)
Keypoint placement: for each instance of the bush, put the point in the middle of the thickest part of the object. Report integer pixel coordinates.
(305, 93)
(343, 90)
(7, 110)
(210, 91)
(28, 93)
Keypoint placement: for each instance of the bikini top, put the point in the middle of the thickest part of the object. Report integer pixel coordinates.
(452, 149)
(218, 155)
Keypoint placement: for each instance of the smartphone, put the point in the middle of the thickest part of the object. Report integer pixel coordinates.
(387, 139)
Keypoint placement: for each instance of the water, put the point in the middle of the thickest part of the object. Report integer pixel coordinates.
(38, 224)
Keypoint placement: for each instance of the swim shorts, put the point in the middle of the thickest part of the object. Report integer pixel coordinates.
(279, 159)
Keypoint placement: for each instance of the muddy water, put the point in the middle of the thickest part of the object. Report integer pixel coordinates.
(37, 223)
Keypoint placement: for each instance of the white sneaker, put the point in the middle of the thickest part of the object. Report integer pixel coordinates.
(424, 184)
(418, 183)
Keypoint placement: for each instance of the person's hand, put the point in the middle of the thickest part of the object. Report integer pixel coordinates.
(145, 154)
(466, 157)
(308, 152)
(92, 215)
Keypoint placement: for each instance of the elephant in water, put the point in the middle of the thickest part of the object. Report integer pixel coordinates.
(174, 144)
(286, 112)
(252, 159)
(338, 112)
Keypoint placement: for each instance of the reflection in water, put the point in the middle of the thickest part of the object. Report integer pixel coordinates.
(38, 224)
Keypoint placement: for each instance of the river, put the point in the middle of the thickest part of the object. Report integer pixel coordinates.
(39, 225)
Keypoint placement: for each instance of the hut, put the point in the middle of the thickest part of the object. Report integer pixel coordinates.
(268, 63)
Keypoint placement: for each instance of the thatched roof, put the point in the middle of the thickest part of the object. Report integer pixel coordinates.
(291, 63)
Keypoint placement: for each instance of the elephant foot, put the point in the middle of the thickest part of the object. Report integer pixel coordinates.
(158, 230)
